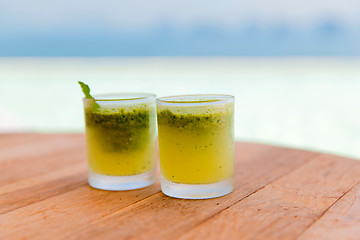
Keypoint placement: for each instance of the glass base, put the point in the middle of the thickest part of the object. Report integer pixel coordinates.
(197, 191)
(116, 183)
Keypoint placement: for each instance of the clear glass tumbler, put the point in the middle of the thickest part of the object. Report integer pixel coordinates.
(196, 145)
(121, 140)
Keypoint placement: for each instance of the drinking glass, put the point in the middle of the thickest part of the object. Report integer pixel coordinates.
(196, 145)
(121, 140)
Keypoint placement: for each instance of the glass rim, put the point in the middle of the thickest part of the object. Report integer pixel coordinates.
(111, 97)
(208, 99)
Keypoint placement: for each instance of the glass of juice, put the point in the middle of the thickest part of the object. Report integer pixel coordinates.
(121, 140)
(196, 145)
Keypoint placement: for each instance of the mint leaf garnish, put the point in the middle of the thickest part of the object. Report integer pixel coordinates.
(86, 90)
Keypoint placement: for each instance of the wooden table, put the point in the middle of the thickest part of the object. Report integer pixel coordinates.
(280, 193)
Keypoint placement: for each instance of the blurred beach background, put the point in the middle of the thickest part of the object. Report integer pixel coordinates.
(294, 67)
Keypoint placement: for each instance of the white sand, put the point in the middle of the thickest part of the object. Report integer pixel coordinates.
(310, 103)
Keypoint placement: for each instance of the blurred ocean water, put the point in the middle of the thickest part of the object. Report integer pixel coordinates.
(303, 102)
(327, 37)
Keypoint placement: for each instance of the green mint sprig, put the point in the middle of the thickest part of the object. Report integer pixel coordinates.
(86, 90)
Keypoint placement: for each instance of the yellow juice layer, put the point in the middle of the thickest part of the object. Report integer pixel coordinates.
(118, 163)
(199, 152)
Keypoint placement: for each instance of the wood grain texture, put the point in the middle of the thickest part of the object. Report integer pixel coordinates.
(30, 158)
(342, 221)
(285, 208)
(280, 193)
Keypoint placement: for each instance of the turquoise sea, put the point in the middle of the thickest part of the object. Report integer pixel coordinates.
(303, 102)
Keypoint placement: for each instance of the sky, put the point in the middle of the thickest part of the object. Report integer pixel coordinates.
(25, 22)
